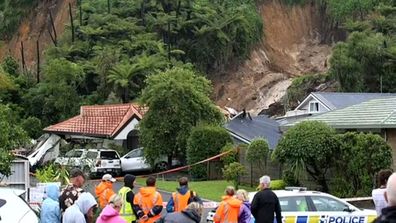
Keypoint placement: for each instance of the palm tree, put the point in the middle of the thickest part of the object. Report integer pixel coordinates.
(121, 76)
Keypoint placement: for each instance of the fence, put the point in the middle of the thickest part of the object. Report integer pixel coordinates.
(19, 178)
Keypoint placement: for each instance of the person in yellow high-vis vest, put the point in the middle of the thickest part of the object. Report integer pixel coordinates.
(127, 212)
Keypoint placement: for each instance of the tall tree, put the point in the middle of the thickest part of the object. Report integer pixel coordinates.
(178, 100)
(309, 146)
(11, 137)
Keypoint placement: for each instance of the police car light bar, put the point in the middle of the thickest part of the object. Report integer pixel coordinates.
(296, 188)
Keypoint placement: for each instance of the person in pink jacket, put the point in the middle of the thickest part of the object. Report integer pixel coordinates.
(111, 213)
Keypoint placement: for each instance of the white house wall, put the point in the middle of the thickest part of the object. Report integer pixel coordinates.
(124, 133)
(305, 106)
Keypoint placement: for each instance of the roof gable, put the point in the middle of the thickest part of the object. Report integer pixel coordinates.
(99, 120)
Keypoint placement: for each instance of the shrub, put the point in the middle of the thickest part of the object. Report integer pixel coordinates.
(278, 184)
(232, 172)
(53, 173)
(230, 157)
(205, 141)
(257, 152)
(289, 178)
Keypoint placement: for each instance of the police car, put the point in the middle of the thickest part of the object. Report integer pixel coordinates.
(301, 206)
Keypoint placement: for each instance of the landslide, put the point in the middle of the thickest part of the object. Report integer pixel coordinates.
(293, 44)
(35, 27)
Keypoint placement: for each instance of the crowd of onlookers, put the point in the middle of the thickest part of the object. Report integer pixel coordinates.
(73, 205)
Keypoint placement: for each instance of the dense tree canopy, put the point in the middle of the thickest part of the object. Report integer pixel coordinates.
(178, 100)
(309, 146)
(12, 136)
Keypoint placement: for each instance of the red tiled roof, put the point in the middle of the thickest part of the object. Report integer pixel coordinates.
(99, 120)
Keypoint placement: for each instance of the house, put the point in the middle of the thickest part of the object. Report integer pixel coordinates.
(321, 102)
(103, 123)
(375, 115)
(244, 129)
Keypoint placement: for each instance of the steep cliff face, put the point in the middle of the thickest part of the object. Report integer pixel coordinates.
(35, 27)
(291, 46)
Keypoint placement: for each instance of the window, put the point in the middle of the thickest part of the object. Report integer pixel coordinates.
(92, 155)
(74, 153)
(108, 155)
(289, 204)
(327, 204)
(314, 106)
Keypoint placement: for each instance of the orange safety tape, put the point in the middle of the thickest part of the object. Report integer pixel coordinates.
(174, 169)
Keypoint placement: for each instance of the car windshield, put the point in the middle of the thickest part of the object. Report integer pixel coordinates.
(327, 204)
(109, 155)
(74, 153)
(135, 153)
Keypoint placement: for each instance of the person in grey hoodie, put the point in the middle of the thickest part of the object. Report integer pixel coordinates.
(192, 214)
(81, 210)
(50, 210)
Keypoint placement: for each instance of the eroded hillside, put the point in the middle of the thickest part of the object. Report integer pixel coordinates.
(291, 46)
(35, 27)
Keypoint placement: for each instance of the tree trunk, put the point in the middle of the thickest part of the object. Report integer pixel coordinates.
(23, 57)
(38, 61)
(80, 7)
(71, 22)
(55, 37)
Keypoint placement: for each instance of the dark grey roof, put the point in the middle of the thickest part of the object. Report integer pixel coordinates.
(337, 100)
(246, 129)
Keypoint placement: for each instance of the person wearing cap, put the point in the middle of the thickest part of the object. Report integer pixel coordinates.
(182, 197)
(104, 190)
(265, 203)
(127, 212)
(72, 191)
(228, 210)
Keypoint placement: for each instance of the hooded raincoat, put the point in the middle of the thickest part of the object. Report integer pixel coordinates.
(148, 202)
(50, 210)
(76, 213)
(104, 191)
(110, 215)
(245, 215)
(228, 210)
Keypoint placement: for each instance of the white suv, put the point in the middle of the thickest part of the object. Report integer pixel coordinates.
(93, 162)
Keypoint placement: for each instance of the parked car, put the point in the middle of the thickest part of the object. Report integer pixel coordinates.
(13, 208)
(135, 161)
(299, 205)
(93, 162)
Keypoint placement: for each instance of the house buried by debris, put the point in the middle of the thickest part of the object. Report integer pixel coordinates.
(100, 125)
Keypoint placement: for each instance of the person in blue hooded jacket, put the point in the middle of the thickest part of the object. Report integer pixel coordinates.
(50, 209)
(182, 197)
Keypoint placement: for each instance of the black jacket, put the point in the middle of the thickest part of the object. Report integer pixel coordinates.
(265, 203)
(388, 215)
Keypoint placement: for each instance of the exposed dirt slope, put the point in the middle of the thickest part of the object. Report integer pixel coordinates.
(290, 47)
(35, 27)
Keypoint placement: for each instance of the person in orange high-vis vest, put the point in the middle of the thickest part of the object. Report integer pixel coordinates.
(182, 197)
(228, 210)
(148, 202)
(104, 190)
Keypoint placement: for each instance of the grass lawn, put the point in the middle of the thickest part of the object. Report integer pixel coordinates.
(211, 190)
